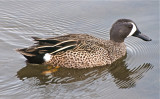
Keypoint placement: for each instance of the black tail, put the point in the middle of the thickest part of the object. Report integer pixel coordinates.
(31, 57)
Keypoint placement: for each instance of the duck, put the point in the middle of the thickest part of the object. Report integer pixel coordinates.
(83, 50)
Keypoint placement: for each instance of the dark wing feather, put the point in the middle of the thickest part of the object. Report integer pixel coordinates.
(42, 41)
(35, 53)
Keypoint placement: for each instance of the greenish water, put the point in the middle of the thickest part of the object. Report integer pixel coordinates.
(135, 76)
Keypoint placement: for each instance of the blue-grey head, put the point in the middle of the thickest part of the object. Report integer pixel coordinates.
(123, 28)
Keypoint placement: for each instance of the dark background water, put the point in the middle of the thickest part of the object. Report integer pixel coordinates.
(135, 76)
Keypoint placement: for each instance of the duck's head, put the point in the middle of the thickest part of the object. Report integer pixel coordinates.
(123, 28)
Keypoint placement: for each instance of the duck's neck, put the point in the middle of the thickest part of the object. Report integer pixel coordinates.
(115, 49)
(115, 42)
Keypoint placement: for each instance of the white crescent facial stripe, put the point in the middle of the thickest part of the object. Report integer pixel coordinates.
(133, 29)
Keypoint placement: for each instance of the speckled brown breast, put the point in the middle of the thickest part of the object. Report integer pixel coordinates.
(90, 52)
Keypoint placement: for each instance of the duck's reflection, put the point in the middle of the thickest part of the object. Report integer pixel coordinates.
(123, 76)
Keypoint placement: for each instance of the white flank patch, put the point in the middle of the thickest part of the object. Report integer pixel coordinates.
(133, 29)
(47, 57)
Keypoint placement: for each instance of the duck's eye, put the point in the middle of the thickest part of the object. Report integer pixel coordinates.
(130, 25)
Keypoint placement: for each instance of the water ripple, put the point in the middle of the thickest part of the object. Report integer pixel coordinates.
(19, 21)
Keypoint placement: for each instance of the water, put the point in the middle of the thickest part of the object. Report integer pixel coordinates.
(135, 76)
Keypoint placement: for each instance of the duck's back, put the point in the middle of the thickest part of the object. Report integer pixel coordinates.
(74, 51)
(89, 52)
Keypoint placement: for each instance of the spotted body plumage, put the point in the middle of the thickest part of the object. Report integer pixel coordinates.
(82, 50)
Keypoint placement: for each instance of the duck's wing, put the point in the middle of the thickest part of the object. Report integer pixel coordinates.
(53, 45)
(35, 53)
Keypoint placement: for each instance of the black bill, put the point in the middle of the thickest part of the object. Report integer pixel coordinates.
(141, 36)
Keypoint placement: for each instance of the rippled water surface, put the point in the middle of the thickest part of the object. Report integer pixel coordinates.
(135, 76)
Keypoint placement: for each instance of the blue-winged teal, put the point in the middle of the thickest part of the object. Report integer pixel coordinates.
(83, 50)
